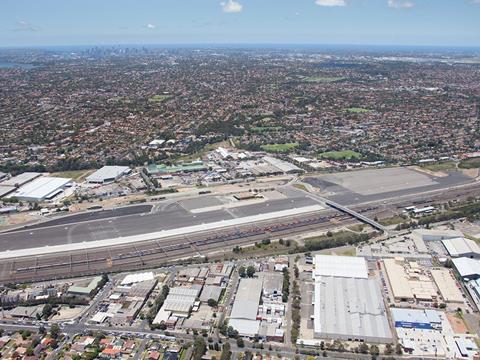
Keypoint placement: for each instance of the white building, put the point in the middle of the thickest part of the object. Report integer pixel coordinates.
(461, 247)
(347, 304)
(108, 174)
(243, 317)
(41, 189)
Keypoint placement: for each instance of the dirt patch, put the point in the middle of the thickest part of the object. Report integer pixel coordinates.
(429, 172)
(458, 325)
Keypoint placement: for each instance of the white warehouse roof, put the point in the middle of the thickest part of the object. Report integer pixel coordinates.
(343, 266)
(284, 166)
(136, 278)
(41, 188)
(247, 299)
(108, 173)
(458, 247)
(350, 309)
(467, 268)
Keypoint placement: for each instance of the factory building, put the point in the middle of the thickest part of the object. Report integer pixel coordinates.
(447, 285)
(243, 317)
(41, 189)
(436, 235)
(347, 304)
(108, 174)
(469, 269)
(21, 179)
(462, 247)
(416, 319)
(85, 290)
(340, 266)
(409, 281)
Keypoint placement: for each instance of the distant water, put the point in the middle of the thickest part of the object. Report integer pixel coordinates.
(7, 65)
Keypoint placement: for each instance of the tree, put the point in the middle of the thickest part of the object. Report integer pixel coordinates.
(47, 311)
(250, 271)
(374, 351)
(240, 342)
(199, 348)
(54, 331)
(242, 271)
(226, 353)
(212, 303)
(363, 348)
(388, 349)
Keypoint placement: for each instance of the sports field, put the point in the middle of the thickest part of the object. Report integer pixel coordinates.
(340, 155)
(279, 148)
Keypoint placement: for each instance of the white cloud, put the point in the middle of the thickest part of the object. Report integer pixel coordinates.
(23, 25)
(476, 1)
(400, 4)
(151, 26)
(330, 3)
(231, 6)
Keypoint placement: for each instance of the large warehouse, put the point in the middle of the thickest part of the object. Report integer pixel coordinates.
(343, 266)
(108, 174)
(409, 281)
(243, 317)
(469, 269)
(41, 189)
(462, 247)
(348, 305)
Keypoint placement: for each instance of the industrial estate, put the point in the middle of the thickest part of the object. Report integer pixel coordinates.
(239, 204)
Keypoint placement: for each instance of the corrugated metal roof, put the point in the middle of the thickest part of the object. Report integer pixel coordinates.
(247, 299)
(107, 173)
(350, 308)
(460, 246)
(41, 188)
(344, 266)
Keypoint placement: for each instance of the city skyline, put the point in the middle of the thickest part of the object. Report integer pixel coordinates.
(353, 22)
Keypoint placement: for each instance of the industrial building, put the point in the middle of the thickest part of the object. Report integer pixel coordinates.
(340, 266)
(350, 309)
(284, 166)
(136, 278)
(468, 269)
(21, 179)
(348, 305)
(409, 281)
(85, 290)
(180, 301)
(462, 247)
(447, 285)
(211, 292)
(41, 189)
(425, 319)
(243, 317)
(108, 174)
(436, 235)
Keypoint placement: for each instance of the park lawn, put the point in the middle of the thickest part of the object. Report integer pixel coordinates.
(472, 163)
(340, 155)
(73, 174)
(278, 148)
(159, 98)
(357, 110)
(444, 165)
(322, 79)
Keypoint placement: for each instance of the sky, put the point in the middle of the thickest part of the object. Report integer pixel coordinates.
(356, 22)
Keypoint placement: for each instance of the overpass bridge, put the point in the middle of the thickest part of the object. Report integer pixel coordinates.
(357, 215)
(350, 212)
